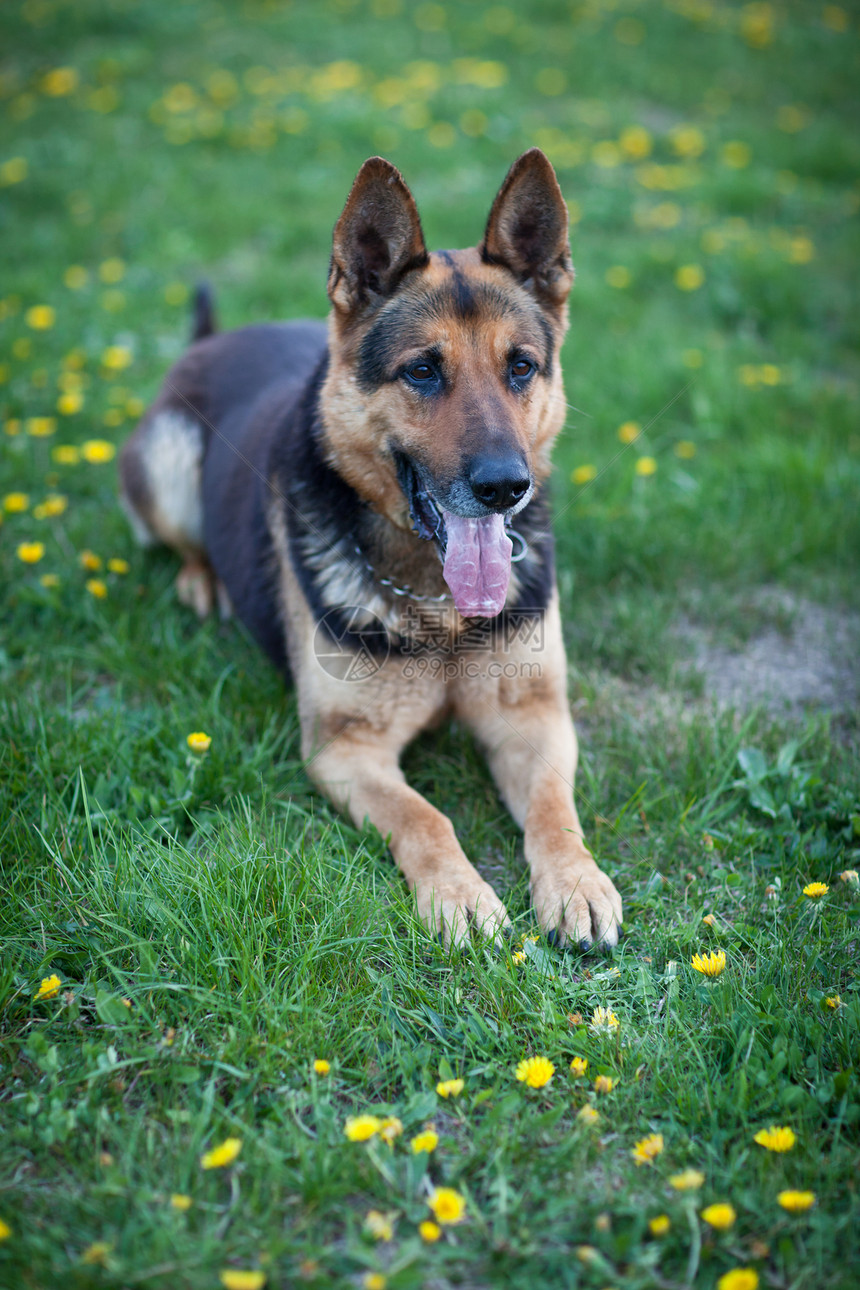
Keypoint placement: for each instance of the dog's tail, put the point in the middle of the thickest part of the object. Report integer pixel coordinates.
(203, 316)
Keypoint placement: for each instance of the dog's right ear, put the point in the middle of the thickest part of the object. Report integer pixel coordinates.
(377, 239)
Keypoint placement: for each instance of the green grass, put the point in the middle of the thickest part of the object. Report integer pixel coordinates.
(251, 929)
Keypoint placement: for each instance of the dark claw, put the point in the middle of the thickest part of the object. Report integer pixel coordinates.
(585, 944)
(552, 938)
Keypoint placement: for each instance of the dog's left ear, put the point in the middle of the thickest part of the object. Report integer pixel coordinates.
(527, 229)
(377, 239)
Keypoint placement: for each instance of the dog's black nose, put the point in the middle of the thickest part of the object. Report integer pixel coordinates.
(499, 480)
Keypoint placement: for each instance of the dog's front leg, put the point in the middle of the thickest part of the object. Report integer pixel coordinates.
(362, 776)
(524, 723)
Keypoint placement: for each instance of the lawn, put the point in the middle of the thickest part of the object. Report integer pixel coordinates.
(196, 949)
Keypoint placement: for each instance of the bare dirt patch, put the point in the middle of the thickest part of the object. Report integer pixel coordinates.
(798, 656)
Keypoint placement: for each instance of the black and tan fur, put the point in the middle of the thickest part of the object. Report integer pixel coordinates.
(300, 471)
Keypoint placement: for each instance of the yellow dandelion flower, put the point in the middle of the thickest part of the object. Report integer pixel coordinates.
(360, 1128)
(379, 1225)
(429, 1231)
(739, 1279)
(54, 504)
(30, 552)
(112, 270)
(736, 154)
(660, 1225)
(648, 1149)
(796, 1202)
(583, 474)
(851, 876)
(720, 1216)
(65, 454)
(374, 1281)
(687, 141)
(70, 403)
(97, 1253)
(90, 561)
(629, 432)
(16, 503)
(40, 317)
(13, 171)
(59, 82)
(689, 1180)
(49, 987)
(116, 358)
(390, 1128)
(535, 1071)
(606, 154)
(835, 17)
(603, 1020)
(98, 451)
(176, 293)
(181, 1202)
(635, 142)
(448, 1205)
(618, 276)
(427, 1141)
(49, 580)
(710, 964)
(41, 427)
(709, 919)
(198, 741)
(242, 1279)
(646, 466)
(604, 1084)
(815, 890)
(224, 1154)
(321, 1066)
(118, 565)
(833, 1001)
(578, 1066)
(689, 277)
(776, 1138)
(5, 1231)
(588, 1115)
(75, 277)
(450, 1087)
(519, 957)
(96, 588)
(801, 250)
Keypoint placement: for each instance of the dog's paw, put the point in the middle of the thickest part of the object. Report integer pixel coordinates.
(194, 588)
(578, 906)
(451, 906)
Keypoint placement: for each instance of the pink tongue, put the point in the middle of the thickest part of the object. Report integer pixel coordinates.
(477, 564)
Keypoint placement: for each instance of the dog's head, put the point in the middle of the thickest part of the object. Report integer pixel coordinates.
(444, 391)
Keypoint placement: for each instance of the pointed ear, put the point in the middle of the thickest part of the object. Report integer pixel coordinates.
(377, 239)
(527, 229)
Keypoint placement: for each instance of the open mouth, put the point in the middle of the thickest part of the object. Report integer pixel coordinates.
(427, 517)
(475, 553)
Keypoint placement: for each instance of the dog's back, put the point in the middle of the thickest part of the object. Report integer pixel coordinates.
(209, 433)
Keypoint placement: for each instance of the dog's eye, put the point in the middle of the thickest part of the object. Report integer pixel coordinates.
(521, 369)
(420, 372)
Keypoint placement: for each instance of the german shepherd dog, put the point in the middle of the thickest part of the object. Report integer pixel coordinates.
(355, 493)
